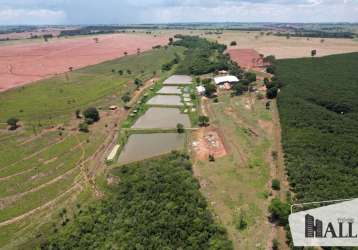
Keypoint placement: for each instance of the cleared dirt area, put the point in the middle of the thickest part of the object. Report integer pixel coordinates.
(247, 58)
(208, 143)
(282, 47)
(25, 63)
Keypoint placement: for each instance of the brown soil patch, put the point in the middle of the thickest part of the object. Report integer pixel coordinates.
(25, 63)
(208, 143)
(247, 58)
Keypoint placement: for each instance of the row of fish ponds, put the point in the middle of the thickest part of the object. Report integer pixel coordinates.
(151, 128)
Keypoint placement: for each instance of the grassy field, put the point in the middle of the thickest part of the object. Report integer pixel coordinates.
(52, 101)
(238, 184)
(47, 165)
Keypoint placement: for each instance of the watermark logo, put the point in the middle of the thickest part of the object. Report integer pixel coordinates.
(333, 225)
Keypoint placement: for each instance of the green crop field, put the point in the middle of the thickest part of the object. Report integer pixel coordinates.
(318, 107)
(46, 165)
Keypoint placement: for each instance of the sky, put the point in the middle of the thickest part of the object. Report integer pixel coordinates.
(13, 12)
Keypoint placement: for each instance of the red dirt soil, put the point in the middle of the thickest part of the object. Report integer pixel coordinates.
(25, 63)
(208, 143)
(246, 58)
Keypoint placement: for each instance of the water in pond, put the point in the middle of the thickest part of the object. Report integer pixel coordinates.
(170, 90)
(166, 100)
(143, 146)
(162, 118)
(178, 80)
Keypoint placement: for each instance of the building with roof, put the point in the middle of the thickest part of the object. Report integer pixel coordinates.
(221, 80)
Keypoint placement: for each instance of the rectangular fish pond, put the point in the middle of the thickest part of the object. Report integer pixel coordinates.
(156, 117)
(170, 90)
(144, 146)
(166, 100)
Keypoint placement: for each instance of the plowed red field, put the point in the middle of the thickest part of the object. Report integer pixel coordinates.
(25, 63)
(246, 58)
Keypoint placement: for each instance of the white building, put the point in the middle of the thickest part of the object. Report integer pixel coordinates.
(201, 90)
(221, 80)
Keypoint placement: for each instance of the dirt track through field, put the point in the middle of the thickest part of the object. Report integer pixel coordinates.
(24, 63)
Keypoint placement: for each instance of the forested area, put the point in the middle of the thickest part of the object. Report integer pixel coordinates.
(156, 205)
(318, 108)
(201, 56)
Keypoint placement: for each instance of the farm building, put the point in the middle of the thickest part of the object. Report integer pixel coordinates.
(220, 80)
(225, 82)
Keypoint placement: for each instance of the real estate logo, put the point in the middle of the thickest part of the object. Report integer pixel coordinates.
(332, 225)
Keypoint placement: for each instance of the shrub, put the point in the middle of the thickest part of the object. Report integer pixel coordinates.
(91, 113)
(12, 122)
(126, 97)
(83, 127)
(275, 184)
(180, 128)
(279, 211)
(233, 43)
(203, 121)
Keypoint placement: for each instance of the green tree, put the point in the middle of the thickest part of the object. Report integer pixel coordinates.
(138, 82)
(91, 113)
(313, 52)
(126, 97)
(12, 122)
(210, 89)
(180, 128)
(275, 184)
(78, 114)
(203, 121)
(83, 127)
(271, 93)
(275, 244)
(120, 72)
(279, 211)
(250, 76)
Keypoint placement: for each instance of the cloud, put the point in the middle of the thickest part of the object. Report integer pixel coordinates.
(12, 16)
(153, 11)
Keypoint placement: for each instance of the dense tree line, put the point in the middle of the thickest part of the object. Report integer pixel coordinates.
(156, 205)
(201, 56)
(317, 34)
(318, 107)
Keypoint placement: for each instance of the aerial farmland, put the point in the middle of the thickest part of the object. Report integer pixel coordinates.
(172, 135)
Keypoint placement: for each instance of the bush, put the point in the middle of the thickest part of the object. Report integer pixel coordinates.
(180, 128)
(275, 184)
(91, 113)
(126, 97)
(12, 122)
(203, 121)
(233, 43)
(279, 211)
(275, 244)
(83, 127)
(249, 76)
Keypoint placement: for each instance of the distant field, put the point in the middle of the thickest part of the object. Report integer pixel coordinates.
(282, 47)
(28, 62)
(45, 169)
(318, 107)
(50, 101)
